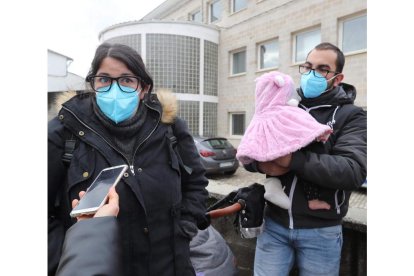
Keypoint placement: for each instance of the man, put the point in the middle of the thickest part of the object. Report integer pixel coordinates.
(313, 237)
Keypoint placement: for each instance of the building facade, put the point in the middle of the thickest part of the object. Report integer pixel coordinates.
(60, 80)
(253, 37)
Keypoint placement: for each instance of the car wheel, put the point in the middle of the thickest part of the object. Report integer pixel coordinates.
(230, 172)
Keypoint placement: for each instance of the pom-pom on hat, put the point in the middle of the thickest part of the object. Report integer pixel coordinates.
(277, 128)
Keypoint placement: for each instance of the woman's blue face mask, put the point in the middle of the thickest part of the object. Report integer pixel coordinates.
(116, 104)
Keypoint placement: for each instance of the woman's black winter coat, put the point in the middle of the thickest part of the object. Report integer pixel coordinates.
(158, 197)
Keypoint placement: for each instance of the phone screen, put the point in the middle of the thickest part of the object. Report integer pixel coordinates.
(97, 192)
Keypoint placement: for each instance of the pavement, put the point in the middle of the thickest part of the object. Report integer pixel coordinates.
(221, 185)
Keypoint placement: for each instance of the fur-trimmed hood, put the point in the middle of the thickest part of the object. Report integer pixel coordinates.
(169, 105)
(165, 97)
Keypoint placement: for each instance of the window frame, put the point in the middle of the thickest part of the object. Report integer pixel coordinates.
(210, 9)
(341, 22)
(233, 6)
(239, 50)
(276, 39)
(232, 135)
(191, 15)
(294, 44)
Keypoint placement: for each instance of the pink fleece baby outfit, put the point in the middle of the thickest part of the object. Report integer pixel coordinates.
(277, 128)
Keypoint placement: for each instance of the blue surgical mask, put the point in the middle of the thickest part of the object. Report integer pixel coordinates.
(116, 104)
(313, 84)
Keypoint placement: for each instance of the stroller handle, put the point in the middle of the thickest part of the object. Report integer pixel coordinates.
(240, 204)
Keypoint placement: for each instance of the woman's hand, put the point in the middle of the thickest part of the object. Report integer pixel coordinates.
(109, 209)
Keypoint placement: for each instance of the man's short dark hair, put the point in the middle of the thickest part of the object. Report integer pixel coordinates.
(340, 59)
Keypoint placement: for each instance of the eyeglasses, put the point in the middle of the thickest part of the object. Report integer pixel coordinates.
(323, 73)
(127, 84)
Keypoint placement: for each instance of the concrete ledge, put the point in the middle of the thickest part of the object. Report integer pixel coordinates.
(219, 191)
(356, 219)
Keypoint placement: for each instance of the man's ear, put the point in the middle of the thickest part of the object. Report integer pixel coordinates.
(339, 78)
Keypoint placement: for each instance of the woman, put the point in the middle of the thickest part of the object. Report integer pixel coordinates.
(162, 195)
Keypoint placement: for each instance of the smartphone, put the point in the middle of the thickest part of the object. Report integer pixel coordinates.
(97, 193)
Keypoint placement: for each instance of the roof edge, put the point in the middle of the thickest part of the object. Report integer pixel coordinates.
(129, 23)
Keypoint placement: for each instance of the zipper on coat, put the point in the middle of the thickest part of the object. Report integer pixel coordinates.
(146, 138)
(332, 122)
(338, 205)
(131, 166)
(291, 192)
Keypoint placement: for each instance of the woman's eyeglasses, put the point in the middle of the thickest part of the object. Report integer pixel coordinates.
(127, 84)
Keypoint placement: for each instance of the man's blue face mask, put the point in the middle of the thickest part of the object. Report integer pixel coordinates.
(116, 104)
(314, 84)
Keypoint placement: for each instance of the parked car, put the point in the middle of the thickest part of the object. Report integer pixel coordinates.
(217, 155)
(364, 185)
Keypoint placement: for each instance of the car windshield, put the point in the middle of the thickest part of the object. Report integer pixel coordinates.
(217, 143)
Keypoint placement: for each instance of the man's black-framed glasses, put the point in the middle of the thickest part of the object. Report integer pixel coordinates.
(323, 73)
(127, 84)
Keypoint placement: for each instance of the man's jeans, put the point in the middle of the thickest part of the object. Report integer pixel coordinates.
(317, 251)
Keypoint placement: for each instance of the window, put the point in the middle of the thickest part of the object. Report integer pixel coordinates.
(196, 16)
(354, 34)
(215, 11)
(238, 62)
(190, 112)
(210, 68)
(210, 119)
(217, 143)
(304, 43)
(238, 5)
(172, 67)
(268, 53)
(237, 123)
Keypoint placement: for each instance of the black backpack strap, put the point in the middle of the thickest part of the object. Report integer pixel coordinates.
(70, 145)
(171, 136)
(174, 141)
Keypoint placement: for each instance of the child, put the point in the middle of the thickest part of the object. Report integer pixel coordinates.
(278, 128)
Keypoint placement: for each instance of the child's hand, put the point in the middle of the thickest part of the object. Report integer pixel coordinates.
(324, 137)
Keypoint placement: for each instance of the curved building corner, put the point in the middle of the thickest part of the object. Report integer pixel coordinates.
(181, 57)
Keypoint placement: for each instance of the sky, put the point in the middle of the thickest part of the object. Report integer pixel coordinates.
(73, 26)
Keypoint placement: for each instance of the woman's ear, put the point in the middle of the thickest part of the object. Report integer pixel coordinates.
(143, 92)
